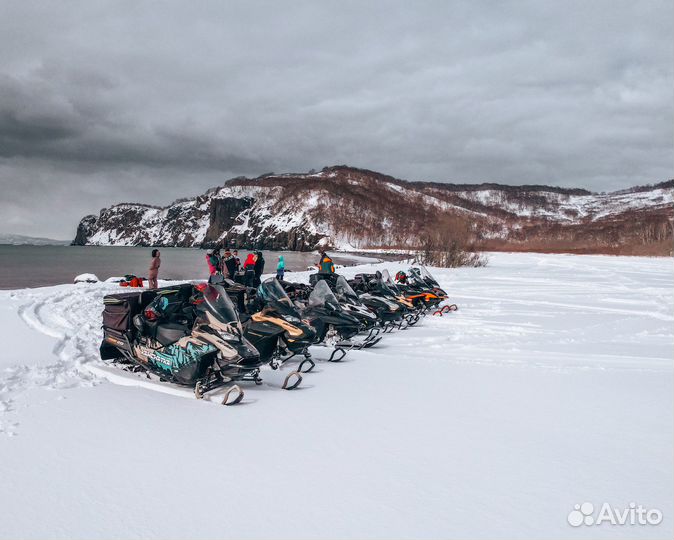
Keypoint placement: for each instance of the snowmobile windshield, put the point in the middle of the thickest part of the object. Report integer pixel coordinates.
(322, 296)
(218, 303)
(273, 295)
(344, 290)
(381, 285)
(416, 279)
(388, 282)
(427, 277)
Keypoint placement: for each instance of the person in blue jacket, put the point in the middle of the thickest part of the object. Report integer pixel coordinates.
(280, 268)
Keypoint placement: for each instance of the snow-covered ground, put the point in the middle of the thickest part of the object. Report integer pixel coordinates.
(551, 386)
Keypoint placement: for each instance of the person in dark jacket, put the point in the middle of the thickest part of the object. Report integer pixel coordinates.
(230, 263)
(237, 261)
(249, 270)
(326, 266)
(214, 262)
(259, 268)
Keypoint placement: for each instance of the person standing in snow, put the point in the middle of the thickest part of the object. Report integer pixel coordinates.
(280, 268)
(259, 268)
(249, 270)
(229, 263)
(214, 263)
(325, 266)
(153, 273)
(237, 261)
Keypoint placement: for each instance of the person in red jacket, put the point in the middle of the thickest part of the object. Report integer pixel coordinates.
(249, 270)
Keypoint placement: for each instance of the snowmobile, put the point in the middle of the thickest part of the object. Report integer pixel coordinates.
(420, 287)
(350, 302)
(297, 292)
(416, 298)
(334, 326)
(182, 339)
(401, 296)
(421, 276)
(392, 307)
(277, 330)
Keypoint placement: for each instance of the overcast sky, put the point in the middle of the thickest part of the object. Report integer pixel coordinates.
(103, 102)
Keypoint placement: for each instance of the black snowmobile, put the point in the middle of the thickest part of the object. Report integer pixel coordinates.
(391, 307)
(278, 331)
(412, 310)
(186, 335)
(421, 277)
(423, 289)
(350, 302)
(334, 326)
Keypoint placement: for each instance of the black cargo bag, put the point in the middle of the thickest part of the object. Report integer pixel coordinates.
(119, 311)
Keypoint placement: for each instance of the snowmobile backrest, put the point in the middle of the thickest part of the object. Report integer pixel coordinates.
(183, 290)
(146, 298)
(364, 278)
(363, 282)
(330, 278)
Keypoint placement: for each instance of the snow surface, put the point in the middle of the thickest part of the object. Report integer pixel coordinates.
(551, 386)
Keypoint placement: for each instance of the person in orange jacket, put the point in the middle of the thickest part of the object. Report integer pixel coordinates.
(326, 266)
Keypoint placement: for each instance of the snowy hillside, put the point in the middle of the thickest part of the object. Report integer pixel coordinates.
(573, 208)
(21, 240)
(551, 386)
(352, 208)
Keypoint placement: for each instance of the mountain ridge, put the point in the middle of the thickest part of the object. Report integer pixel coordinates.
(352, 208)
(9, 239)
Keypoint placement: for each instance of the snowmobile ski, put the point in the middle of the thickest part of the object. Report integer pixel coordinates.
(292, 381)
(228, 400)
(337, 355)
(306, 365)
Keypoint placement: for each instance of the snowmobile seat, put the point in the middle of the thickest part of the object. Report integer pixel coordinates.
(165, 333)
(168, 333)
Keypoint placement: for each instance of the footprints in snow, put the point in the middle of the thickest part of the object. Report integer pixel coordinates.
(69, 317)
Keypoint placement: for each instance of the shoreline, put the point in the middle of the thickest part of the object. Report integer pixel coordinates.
(26, 267)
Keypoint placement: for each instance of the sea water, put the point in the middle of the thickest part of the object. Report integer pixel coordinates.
(38, 266)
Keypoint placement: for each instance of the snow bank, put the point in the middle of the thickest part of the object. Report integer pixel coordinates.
(551, 386)
(86, 278)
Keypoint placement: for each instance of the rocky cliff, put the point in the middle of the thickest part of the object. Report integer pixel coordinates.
(351, 208)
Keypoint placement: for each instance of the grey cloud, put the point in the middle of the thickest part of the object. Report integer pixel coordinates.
(99, 99)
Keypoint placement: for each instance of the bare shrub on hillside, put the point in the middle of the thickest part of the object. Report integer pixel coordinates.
(449, 243)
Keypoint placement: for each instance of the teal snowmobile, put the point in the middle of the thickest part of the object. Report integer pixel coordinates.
(187, 335)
